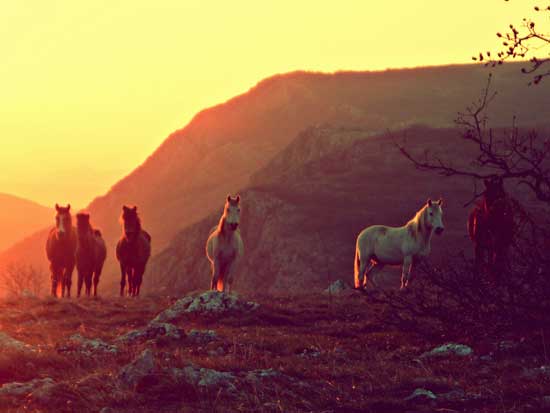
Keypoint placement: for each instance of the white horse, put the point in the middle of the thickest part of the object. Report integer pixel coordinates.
(224, 246)
(381, 245)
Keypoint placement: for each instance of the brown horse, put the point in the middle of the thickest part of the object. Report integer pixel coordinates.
(132, 251)
(90, 254)
(61, 249)
(491, 227)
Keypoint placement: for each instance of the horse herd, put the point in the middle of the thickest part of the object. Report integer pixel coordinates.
(490, 226)
(85, 248)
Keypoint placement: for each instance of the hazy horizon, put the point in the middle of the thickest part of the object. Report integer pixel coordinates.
(91, 90)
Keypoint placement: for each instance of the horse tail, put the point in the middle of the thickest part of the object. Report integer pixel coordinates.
(356, 268)
(471, 224)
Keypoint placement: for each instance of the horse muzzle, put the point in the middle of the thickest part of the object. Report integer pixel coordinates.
(233, 226)
(439, 230)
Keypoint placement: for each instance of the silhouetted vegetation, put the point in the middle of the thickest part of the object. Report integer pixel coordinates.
(22, 279)
(458, 295)
(524, 41)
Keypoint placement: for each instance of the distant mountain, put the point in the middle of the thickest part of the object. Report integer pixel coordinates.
(20, 218)
(303, 211)
(218, 152)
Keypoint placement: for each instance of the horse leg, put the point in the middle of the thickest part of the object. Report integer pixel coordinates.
(360, 267)
(132, 282)
(97, 274)
(122, 279)
(69, 278)
(230, 274)
(138, 278)
(89, 276)
(79, 282)
(54, 278)
(374, 268)
(406, 272)
(215, 274)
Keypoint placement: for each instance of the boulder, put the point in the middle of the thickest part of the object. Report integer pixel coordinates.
(143, 366)
(338, 287)
(449, 349)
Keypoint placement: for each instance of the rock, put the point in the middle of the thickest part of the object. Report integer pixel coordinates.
(87, 346)
(9, 343)
(448, 350)
(536, 372)
(17, 389)
(205, 378)
(153, 331)
(141, 367)
(456, 395)
(259, 375)
(338, 287)
(175, 311)
(202, 336)
(421, 395)
(207, 303)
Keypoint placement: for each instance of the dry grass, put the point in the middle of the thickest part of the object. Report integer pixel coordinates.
(334, 356)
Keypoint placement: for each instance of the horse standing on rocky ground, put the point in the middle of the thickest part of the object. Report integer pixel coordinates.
(380, 245)
(491, 228)
(132, 251)
(60, 250)
(224, 247)
(90, 254)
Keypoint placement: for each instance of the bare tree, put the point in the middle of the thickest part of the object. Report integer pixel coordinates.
(19, 278)
(524, 41)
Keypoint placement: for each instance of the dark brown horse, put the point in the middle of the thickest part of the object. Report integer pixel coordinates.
(492, 228)
(90, 254)
(132, 251)
(61, 249)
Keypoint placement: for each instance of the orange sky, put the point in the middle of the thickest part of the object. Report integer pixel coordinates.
(90, 88)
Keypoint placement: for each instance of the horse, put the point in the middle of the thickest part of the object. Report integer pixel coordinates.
(132, 251)
(60, 250)
(381, 245)
(90, 254)
(491, 227)
(224, 247)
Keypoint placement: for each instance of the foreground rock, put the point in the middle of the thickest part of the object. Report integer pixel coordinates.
(449, 349)
(137, 370)
(17, 389)
(87, 346)
(153, 331)
(338, 287)
(207, 303)
(8, 343)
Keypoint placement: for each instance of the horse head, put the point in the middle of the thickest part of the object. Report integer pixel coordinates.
(232, 212)
(63, 220)
(83, 222)
(131, 222)
(494, 190)
(434, 216)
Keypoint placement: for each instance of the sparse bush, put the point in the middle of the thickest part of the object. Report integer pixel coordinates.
(456, 295)
(19, 279)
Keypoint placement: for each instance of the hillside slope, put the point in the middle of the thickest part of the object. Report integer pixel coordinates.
(222, 147)
(302, 213)
(19, 218)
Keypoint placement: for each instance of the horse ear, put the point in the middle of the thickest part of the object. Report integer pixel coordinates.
(228, 198)
(68, 207)
(429, 203)
(57, 207)
(125, 208)
(440, 202)
(134, 209)
(238, 198)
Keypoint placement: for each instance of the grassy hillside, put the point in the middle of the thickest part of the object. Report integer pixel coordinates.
(314, 354)
(222, 147)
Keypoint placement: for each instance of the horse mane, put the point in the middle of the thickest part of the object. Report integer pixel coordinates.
(417, 224)
(221, 223)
